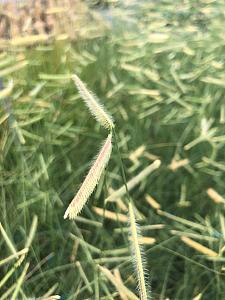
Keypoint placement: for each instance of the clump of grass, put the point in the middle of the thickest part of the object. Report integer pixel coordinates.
(161, 75)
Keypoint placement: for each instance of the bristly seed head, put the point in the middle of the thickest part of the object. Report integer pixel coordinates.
(91, 180)
(138, 256)
(92, 102)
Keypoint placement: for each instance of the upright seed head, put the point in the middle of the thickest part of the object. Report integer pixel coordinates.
(138, 255)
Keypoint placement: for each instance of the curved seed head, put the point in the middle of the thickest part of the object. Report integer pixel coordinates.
(91, 180)
(92, 102)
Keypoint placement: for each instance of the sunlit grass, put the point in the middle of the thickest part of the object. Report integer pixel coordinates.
(159, 69)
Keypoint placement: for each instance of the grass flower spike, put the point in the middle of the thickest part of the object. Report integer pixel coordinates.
(97, 109)
(139, 261)
(91, 180)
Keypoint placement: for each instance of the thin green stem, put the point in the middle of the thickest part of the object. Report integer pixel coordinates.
(121, 166)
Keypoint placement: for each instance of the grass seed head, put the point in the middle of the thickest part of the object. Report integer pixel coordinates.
(138, 256)
(95, 107)
(91, 180)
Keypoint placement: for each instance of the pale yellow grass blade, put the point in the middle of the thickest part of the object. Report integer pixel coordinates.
(198, 247)
(117, 283)
(134, 181)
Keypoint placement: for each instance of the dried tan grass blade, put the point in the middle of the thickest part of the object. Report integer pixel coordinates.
(120, 287)
(53, 297)
(198, 297)
(152, 202)
(110, 215)
(135, 155)
(197, 246)
(176, 164)
(217, 198)
(145, 240)
(119, 201)
(29, 40)
(142, 240)
(134, 181)
(91, 180)
(14, 68)
(118, 277)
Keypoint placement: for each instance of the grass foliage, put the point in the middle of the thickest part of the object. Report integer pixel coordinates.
(159, 70)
